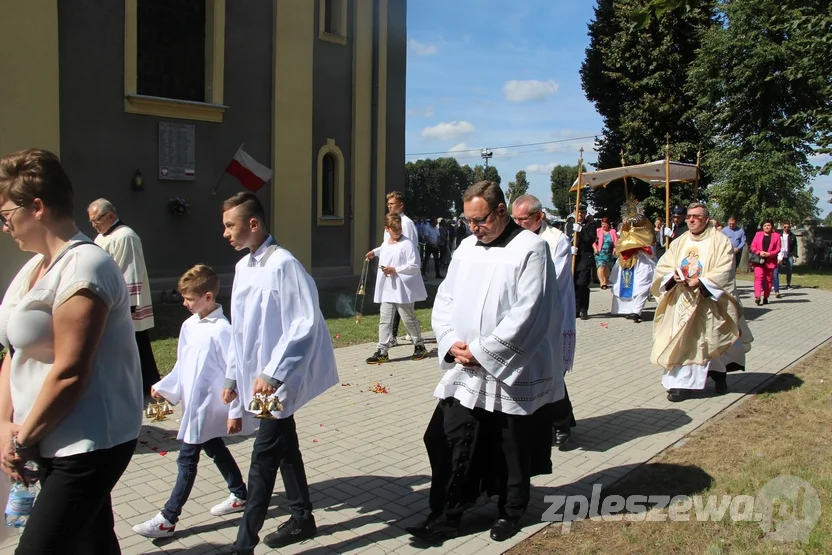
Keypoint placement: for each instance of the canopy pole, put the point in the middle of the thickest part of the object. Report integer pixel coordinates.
(667, 186)
(626, 191)
(578, 205)
(698, 170)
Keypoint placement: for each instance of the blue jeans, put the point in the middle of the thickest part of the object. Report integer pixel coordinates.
(787, 267)
(188, 462)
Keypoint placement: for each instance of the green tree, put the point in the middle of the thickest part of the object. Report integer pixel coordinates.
(562, 178)
(750, 106)
(636, 79)
(518, 187)
(434, 187)
(487, 174)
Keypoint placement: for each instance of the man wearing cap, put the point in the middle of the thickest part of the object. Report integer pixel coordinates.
(679, 224)
(584, 228)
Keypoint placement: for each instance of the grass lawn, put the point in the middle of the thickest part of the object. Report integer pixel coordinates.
(783, 430)
(803, 276)
(336, 305)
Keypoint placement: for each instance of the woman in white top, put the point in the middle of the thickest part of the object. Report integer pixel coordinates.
(399, 286)
(70, 386)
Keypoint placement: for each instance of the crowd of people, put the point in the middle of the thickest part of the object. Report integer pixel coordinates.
(74, 375)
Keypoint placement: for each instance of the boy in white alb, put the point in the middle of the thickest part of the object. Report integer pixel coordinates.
(197, 381)
(399, 286)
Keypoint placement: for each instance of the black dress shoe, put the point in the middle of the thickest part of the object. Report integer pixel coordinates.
(504, 528)
(292, 531)
(676, 395)
(435, 528)
(584, 316)
(561, 436)
(720, 382)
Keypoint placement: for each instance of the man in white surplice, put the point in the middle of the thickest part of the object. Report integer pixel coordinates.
(498, 329)
(125, 247)
(280, 345)
(528, 212)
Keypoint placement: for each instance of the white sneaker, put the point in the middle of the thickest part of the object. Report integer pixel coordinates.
(156, 527)
(393, 343)
(408, 338)
(231, 505)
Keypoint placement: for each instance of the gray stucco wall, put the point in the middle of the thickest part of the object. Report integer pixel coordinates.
(396, 95)
(332, 99)
(102, 146)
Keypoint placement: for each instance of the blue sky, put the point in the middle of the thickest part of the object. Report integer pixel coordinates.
(493, 74)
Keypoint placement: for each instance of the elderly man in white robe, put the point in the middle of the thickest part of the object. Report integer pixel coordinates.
(699, 331)
(498, 326)
(527, 212)
(125, 247)
(281, 356)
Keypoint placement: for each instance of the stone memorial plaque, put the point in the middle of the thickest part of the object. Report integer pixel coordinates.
(177, 151)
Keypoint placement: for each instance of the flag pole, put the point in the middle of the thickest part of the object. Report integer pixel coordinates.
(217, 186)
(626, 192)
(578, 205)
(698, 170)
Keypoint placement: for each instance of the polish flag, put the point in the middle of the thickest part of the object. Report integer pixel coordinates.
(251, 173)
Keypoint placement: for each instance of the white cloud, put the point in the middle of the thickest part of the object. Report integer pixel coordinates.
(422, 49)
(448, 131)
(541, 168)
(429, 112)
(461, 147)
(529, 91)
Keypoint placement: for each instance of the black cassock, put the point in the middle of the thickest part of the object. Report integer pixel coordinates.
(584, 265)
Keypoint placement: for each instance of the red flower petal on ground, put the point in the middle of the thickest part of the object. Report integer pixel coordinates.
(163, 453)
(314, 441)
(154, 448)
(143, 441)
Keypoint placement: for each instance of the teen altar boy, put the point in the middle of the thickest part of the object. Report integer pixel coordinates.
(196, 382)
(399, 287)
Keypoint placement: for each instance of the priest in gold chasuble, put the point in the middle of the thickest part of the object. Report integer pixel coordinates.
(698, 330)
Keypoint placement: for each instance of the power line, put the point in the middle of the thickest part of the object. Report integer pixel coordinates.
(507, 146)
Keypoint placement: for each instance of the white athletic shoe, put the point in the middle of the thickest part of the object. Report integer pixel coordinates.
(408, 338)
(231, 505)
(156, 527)
(393, 343)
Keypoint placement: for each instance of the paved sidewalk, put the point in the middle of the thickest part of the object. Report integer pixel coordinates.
(367, 465)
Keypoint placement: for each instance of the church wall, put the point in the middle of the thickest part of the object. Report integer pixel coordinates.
(103, 146)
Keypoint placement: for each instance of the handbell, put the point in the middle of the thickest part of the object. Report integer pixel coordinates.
(149, 412)
(255, 405)
(167, 408)
(275, 405)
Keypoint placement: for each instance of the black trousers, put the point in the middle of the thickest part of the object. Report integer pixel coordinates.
(276, 447)
(563, 415)
(73, 513)
(476, 451)
(737, 259)
(150, 373)
(583, 279)
(431, 250)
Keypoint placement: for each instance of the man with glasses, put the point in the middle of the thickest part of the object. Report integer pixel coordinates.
(125, 247)
(698, 330)
(527, 212)
(395, 205)
(498, 326)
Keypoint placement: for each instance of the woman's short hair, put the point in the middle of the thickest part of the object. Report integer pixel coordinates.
(767, 221)
(605, 220)
(393, 221)
(200, 279)
(32, 174)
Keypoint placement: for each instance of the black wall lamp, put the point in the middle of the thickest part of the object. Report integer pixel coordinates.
(138, 183)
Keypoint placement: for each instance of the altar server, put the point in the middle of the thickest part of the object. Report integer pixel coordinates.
(279, 345)
(196, 382)
(125, 246)
(527, 211)
(399, 287)
(498, 328)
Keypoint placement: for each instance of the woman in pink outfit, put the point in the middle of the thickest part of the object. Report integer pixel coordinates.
(767, 245)
(605, 240)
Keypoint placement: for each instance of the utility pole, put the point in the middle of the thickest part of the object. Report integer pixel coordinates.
(486, 154)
